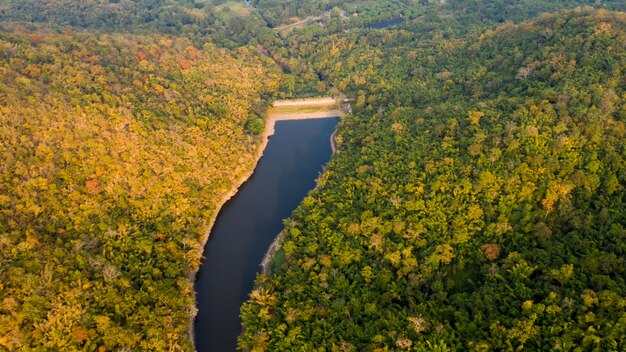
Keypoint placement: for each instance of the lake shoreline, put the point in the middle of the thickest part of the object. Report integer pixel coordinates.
(268, 131)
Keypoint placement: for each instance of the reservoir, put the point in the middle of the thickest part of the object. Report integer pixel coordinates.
(384, 24)
(249, 222)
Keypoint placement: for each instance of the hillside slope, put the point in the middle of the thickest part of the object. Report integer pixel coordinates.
(116, 150)
(476, 203)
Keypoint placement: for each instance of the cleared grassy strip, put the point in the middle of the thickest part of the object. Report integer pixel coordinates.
(301, 109)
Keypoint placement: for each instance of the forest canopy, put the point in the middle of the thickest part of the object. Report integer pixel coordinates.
(116, 150)
(476, 203)
(476, 200)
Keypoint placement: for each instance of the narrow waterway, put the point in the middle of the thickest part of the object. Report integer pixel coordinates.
(248, 223)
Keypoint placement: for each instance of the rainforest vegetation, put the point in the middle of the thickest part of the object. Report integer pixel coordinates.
(116, 150)
(476, 201)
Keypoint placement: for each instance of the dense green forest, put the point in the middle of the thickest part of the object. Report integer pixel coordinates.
(353, 13)
(116, 150)
(422, 22)
(230, 24)
(444, 15)
(477, 202)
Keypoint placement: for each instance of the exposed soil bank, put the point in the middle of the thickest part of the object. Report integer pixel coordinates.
(271, 252)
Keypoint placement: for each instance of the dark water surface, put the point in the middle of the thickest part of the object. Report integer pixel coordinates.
(384, 24)
(248, 223)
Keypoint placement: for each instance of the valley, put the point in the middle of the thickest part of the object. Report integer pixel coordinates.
(443, 175)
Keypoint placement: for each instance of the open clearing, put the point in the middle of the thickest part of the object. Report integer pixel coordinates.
(324, 101)
(235, 7)
(301, 109)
